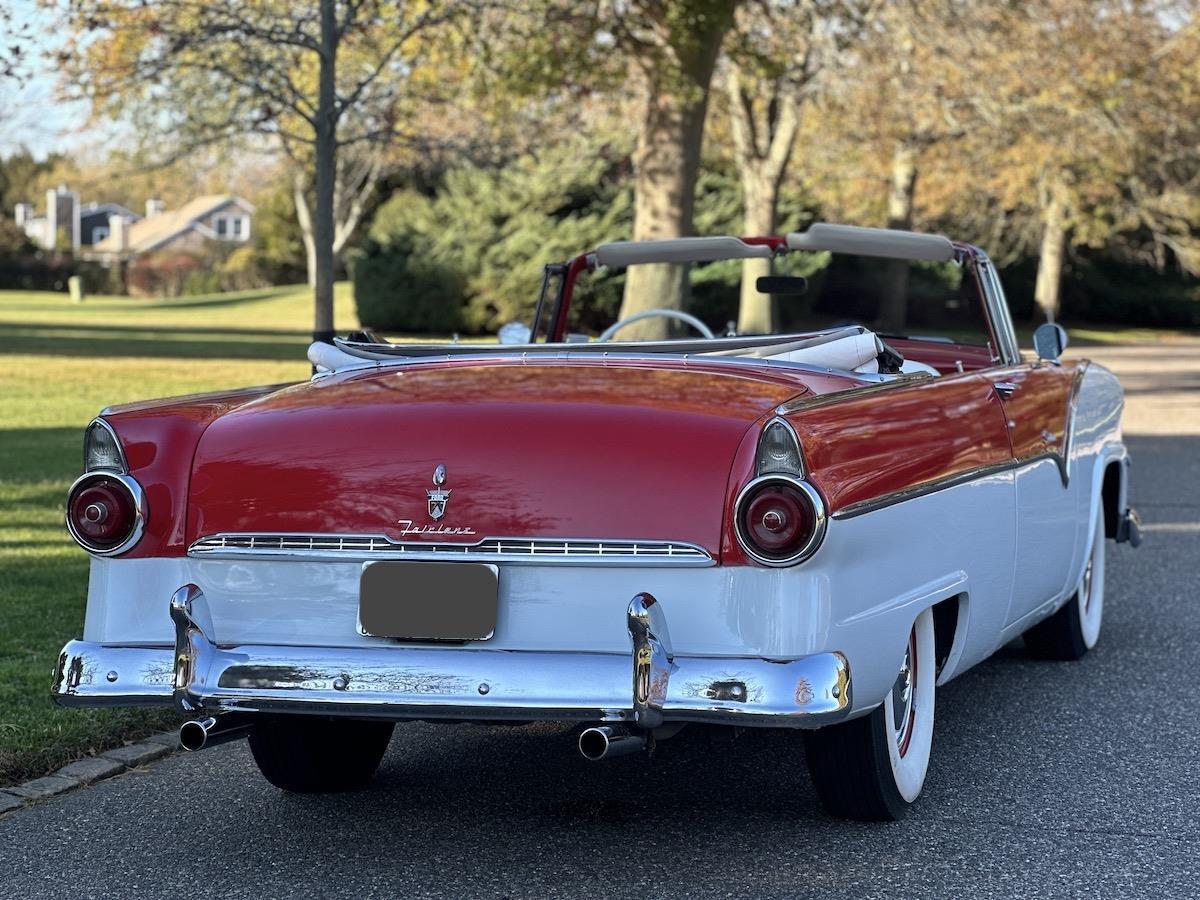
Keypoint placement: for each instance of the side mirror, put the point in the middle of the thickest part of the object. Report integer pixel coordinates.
(1050, 340)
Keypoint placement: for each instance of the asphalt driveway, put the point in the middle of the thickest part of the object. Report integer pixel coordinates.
(1048, 779)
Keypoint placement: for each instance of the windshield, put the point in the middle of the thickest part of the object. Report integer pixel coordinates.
(926, 301)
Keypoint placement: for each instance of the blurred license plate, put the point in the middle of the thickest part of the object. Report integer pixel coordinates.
(428, 601)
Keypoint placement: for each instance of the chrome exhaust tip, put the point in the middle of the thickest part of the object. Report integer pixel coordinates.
(213, 730)
(604, 741)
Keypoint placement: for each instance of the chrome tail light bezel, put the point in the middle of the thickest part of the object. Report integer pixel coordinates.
(815, 537)
(138, 498)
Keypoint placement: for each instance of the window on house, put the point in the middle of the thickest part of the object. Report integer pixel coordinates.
(237, 228)
(222, 225)
(99, 233)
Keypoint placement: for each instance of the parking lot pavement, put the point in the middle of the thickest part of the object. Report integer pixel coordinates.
(1047, 779)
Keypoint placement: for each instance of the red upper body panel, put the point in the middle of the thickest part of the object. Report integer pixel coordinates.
(548, 449)
(158, 437)
(863, 448)
(650, 449)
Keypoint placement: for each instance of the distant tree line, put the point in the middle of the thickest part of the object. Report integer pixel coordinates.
(1065, 131)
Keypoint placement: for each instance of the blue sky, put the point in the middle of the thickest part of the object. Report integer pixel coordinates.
(30, 113)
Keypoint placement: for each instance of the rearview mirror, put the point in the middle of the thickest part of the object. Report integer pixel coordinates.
(784, 285)
(1050, 340)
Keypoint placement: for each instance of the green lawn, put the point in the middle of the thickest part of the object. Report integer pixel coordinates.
(62, 363)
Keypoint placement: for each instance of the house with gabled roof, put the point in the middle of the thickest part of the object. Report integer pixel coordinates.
(192, 228)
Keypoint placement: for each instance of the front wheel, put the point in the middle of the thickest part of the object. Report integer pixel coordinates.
(1075, 628)
(873, 768)
(310, 755)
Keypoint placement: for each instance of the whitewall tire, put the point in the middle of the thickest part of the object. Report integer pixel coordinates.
(873, 768)
(1075, 628)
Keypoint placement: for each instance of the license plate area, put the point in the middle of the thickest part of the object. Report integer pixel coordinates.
(428, 601)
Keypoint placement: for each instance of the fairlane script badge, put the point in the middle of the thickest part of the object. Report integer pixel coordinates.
(438, 498)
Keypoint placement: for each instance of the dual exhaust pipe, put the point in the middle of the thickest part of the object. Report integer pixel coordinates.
(596, 743)
(213, 730)
(606, 741)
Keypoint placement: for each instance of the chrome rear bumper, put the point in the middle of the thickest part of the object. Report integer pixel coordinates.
(454, 683)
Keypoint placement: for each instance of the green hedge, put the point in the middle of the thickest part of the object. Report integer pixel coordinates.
(400, 286)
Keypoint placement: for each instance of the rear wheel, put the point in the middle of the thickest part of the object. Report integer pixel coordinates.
(311, 755)
(873, 768)
(1074, 630)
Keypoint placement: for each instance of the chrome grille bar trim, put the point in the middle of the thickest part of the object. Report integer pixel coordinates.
(554, 551)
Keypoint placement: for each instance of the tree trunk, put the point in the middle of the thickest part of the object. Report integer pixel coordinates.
(667, 162)
(325, 160)
(893, 307)
(1050, 259)
(760, 201)
(763, 145)
(304, 219)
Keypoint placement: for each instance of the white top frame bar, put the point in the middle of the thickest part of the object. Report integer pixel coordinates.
(619, 254)
(882, 242)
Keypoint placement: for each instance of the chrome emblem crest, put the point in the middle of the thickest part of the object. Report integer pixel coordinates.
(438, 497)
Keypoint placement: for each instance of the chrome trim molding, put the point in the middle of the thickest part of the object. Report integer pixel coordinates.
(812, 401)
(139, 508)
(537, 353)
(1068, 441)
(456, 683)
(124, 470)
(938, 484)
(814, 540)
(911, 493)
(1061, 458)
(996, 305)
(561, 551)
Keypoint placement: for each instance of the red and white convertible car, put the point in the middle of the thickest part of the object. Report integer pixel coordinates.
(807, 530)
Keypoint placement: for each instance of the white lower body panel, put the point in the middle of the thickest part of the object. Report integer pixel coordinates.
(859, 595)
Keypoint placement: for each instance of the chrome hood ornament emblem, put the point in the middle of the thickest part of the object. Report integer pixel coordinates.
(438, 498)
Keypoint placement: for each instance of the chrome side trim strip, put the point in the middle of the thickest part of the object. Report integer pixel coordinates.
(555, 551)
(929, 487)
(940, 484)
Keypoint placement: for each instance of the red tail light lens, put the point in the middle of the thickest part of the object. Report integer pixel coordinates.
(104, 513)
(779, 520)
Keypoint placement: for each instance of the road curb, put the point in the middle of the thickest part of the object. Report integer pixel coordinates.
(88, 771)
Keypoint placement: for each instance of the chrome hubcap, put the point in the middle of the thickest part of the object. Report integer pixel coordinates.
(903, 713)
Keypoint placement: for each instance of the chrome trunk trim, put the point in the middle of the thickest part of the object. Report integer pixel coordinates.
(558, 551)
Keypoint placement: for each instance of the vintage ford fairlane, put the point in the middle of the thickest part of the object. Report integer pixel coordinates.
(811, 529)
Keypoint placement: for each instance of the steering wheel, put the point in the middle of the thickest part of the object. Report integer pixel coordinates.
(676, 314)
